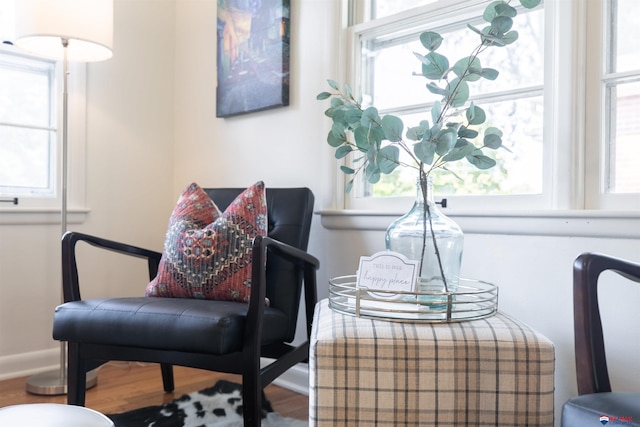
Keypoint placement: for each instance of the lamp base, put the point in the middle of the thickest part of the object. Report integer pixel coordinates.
(51, 384)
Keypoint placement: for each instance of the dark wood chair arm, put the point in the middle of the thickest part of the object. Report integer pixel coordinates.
(70, 283)
(591, 363)
(308, 263)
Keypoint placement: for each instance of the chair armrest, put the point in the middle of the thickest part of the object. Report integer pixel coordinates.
(591, 364)
(70, 283)
(308, 263)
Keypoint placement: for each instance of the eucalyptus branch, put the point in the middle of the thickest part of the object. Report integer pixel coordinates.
(451, 136)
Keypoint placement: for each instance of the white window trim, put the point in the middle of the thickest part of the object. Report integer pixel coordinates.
(565, 186)
(48, 210)
(560, 223)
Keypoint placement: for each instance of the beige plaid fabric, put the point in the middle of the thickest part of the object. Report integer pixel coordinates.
(489, 372)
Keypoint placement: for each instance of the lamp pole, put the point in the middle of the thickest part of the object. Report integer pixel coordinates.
(52, 383)
(70, 30)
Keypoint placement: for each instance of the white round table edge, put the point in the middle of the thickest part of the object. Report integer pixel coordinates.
(52, 415)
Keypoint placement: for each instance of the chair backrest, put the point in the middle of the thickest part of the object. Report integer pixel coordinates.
(289, 213)
(591, 364)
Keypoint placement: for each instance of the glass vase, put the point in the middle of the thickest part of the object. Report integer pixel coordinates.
(426, 235)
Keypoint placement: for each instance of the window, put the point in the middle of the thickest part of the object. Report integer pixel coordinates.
(30, 117)
(27, 125)
(570, 134)
(613, 96)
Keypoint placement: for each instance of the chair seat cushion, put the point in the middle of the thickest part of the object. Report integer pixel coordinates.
(214, 327)
(602, 408)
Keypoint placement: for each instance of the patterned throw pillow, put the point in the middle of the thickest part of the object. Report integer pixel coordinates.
(207, 254)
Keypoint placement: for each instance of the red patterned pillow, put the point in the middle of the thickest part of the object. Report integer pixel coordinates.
(207, 254)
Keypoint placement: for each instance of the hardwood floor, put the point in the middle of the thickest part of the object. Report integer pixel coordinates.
(123, 386)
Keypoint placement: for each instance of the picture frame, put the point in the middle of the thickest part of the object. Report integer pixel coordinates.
(252, 56)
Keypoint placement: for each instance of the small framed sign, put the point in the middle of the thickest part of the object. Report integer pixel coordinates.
(387, 271)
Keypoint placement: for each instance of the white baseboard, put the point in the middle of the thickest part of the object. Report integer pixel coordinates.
(296, 378)
(25, 364)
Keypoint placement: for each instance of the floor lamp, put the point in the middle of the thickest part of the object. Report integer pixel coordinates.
(67, 30)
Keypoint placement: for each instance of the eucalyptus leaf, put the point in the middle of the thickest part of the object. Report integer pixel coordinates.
(530, 4)
(433, 88)
(493, 138)
(498, 8)
(347, 170)
(489, 73)
(392, 127)
(343, 151)
(334, 84)
(473, 74)
(361, 137)
(353, 117)
(388, 159)
(462, 66)
(446, 140)
(493, 130)
(369, 116)
(436, 112)
(465, 132)
(459, 92)
(349, 186)
(336, 140)
(501, 25)
(490, 11)
(336, 102)
(425, 151)
(322, 96)
(474, 29)
(459, 152)
(493, 141)
(338, 117)
(436, 66)
(416, 133)
(480, 160)
(510, 37)
(504, 9)
(372, 172)
(329, 112)
(430, 40)
(475, 115)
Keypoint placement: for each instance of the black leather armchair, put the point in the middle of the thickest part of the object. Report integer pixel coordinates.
(214, 335)
(596, 398)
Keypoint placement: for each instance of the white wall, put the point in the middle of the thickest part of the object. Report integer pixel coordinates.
(152, 130)
(129, 186)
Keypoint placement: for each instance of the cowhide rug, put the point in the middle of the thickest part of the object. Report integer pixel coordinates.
(219, 406)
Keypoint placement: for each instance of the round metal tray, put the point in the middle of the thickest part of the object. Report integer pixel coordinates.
(474, 299)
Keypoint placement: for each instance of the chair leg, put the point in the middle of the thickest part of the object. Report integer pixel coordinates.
(252, 397)
(76, 376)
(167, 377)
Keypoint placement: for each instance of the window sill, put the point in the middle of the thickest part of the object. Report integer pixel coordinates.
(610, 224)
(31, 216)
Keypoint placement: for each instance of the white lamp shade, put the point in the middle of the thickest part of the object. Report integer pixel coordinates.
(86, 24)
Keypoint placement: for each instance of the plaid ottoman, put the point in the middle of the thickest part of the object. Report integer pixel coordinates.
(495, 371)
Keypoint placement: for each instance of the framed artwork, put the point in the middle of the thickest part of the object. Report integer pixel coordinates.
(253, 56)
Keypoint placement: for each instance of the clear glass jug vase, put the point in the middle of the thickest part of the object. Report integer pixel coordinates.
(426, 235)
